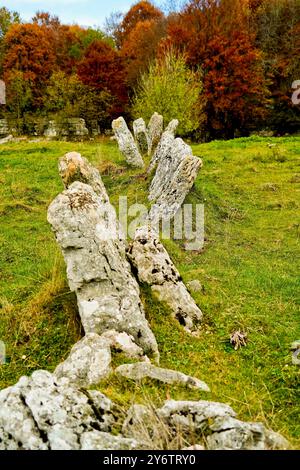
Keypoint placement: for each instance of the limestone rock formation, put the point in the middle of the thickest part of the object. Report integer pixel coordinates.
(165, 144)
(39, 414)
(139, 371)
(176, 172)
(155, 130)
(88, 362)
(97, 269)
(155, 268)
(171, 199)
(73, 167)
(97, 440)
(218, 423)
(123, 342)
(141, 135)
(127, 144)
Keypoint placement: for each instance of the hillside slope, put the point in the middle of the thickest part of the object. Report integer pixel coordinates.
(249, 271)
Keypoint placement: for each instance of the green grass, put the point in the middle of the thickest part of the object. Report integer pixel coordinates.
(249, 269)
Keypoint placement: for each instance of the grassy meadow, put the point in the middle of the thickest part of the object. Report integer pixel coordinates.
(249, 270)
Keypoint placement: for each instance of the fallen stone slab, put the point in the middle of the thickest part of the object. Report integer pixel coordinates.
(127, 144)
(40, 414)
(73, 167)
(98, 272)
(154, 267)
(139, 371)
(141, 135)
(88, 363)
(155, 130)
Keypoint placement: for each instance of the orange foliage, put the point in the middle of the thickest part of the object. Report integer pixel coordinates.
(29, 50)
(102, 69)
(140, 47)
(141, 11)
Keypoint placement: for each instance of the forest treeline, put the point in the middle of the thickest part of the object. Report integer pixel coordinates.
(225, 67)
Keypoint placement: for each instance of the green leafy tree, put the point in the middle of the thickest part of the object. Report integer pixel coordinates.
(172, 90)
(19, 97)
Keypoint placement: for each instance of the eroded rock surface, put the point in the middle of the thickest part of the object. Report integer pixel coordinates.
(97, 269)
(139, 371)
(88, 363)
(141, 135)
(39, 414)
(155, 130)
(73, 167)
(124, 343)
(154, 267)
(175, 175)
(165, 144)
(127, 144)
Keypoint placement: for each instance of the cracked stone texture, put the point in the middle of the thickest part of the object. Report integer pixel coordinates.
(155, 130)
(123, 342)
(175, 175)
(139, 371)
(232, 434)
(155, 268)
(141, 135)
(73, 167)
(126, 143)
(108, 295)
(88, 363)
(40, 414)
(165, 144)
(173, 194)
(175, 150)
(97, 440)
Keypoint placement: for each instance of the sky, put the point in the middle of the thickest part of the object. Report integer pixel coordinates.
(83, 12)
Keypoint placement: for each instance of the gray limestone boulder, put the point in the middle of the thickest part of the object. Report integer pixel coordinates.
(154, 267)
(165, 144)
(141, 135)
(73, 167)
(155, 130)
(97, 440)
(88, 363)
(108, 295)
(127, 144)
(40, 414)
(124, 343)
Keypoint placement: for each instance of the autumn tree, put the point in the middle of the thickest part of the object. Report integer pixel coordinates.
(29, 50)
(216, 35)
(67, 96)
(102, 69)
(7, 19)
(171, 89)
(19, 97)
(140, 48)
(278, 37)
(141, 11)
